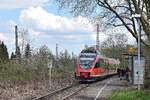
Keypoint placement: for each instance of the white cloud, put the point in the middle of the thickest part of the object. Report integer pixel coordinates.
(76, 37)
(39, 18)
(2, 37)
(72, 37)
(10, 4)
(83, 23)
(102, 36)
(35, 33)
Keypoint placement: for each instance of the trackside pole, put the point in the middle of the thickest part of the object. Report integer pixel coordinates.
(137, 16)
(50, 64)
(139, 60)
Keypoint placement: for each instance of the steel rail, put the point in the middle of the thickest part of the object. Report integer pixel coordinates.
(74, 93)
(45, 97)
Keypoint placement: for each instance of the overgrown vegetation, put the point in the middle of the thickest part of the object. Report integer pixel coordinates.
(3, 52)
(13, 72)
(32, 66)
(130, 95)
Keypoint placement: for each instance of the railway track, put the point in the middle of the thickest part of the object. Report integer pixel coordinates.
(67, 92)
(49, 95)
(61, 93)
(71, 95)
(74, 93)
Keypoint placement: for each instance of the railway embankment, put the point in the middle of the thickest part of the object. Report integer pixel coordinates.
(17, 87)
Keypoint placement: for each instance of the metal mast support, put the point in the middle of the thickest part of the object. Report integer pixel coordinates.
(16, 42)
(97, 38)
(56, 54)
(139, 55)
(137, 16)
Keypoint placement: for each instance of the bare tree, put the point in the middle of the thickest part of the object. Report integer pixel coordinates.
(25, 39)
(114, 46)
(117, 13)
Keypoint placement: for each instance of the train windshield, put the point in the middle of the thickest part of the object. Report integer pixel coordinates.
(86, 60)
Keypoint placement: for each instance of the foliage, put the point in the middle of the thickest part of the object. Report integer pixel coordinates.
(3, 52)
(27, 51)
(39, 61)
(114, 47)
(130, 95)
(12, 56)
(60, 73)
(33, 68)
(147, 67)
(18, 53)
(15, 72)
(67, 62)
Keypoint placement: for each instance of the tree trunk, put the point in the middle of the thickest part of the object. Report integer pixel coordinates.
(147, 68)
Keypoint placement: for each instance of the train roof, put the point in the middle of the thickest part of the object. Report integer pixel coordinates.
(97, 52)
(92, 50)
(89, 50)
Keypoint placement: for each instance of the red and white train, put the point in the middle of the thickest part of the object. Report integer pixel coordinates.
(91, 65)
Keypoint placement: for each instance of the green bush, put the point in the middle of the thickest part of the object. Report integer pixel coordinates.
(18, 72)
(12, 71)
(60, 73)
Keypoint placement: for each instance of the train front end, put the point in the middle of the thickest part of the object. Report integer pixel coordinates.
(84, 66)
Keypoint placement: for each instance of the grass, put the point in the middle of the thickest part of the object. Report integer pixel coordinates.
(130, 95)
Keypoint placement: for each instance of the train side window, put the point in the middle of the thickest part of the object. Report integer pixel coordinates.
(97, 64)
(100, 63)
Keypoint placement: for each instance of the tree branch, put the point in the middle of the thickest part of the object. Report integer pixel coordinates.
(101, 4)
(124, 23)
(121, 24)
(121, 7)
(111, 9)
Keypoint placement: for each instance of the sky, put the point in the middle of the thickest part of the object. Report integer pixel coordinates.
(47, 25)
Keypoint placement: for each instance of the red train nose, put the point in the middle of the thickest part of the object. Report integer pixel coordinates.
(85, 74)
